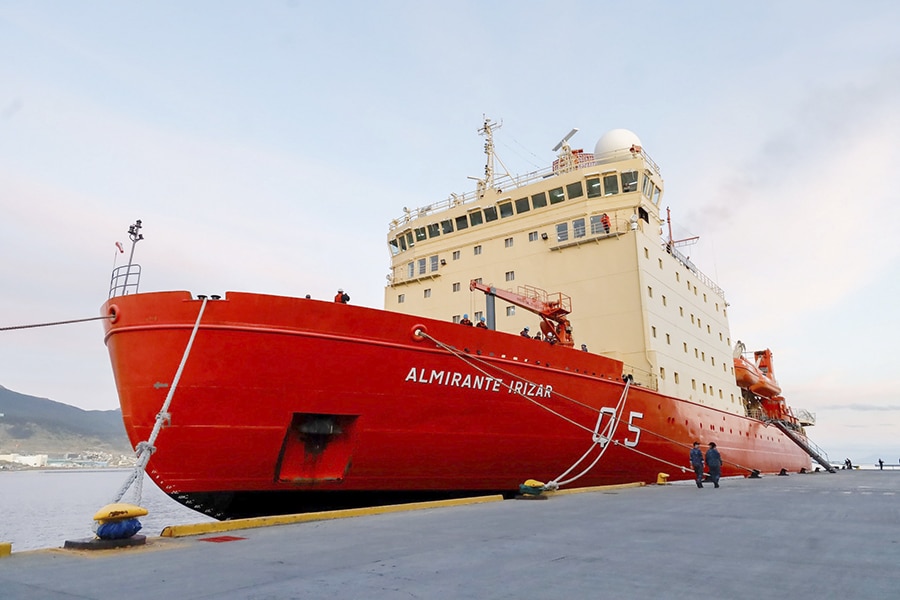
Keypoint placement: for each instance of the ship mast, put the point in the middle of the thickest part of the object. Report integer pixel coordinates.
(487, 130)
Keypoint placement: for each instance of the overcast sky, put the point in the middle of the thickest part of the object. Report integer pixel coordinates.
(266, 146)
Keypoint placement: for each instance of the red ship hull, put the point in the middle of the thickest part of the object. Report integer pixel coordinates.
(292, 405)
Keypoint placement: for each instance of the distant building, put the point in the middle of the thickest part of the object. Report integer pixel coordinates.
(32, 460)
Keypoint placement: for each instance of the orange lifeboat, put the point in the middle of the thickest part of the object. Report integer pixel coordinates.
(758, 376)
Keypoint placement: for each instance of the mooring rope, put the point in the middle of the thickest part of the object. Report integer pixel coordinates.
(145, 449)
(33, 325)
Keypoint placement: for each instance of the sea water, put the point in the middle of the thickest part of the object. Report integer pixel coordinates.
(44, 508)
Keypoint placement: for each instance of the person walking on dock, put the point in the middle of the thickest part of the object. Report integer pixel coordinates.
(697, 463)
(714, 462)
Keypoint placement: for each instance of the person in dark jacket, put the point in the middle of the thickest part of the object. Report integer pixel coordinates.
(465, 320)
(697, 463)
(481, 324)
(714, 462)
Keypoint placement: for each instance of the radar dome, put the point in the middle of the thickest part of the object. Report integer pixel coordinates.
(616, 140)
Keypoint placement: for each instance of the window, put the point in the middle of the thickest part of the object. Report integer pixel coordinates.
(533, 236)
(421, 266)
(653, 330)
(477, 249)
(428, 293)
(457, 318)
(461, 222)
(676, 377)
(660, 263)
(401, 298)
(456, 255)
(629, 181)
(649, 291)
(420, 234)
(656, 195)
(522, 205)
(593, 188)
(668, 339)
(664, 301)
(693, 384)
(506, 209)
(578, 230)
(434, 230)
(685, 346)
(646, 253)
(395, 247)
(647, 187)
(508, 242)
(539, 200)
(447, 226)
(574, 190)
(456, 287)
(596, 225)
(475, 218)
(562, 232)
(510, 275)
(402, 239)
(662, 373)
(434, 263)
(611, 184)
(411, 270)
(557, 195)
(510, 311)
(490, 213)
(478, 315)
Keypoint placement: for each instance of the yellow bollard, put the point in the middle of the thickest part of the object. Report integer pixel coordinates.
(662, 479)
(5, 549)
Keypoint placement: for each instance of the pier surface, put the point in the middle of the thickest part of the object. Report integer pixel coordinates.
(816, 535)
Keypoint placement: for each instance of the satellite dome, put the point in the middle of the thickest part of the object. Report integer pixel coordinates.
(616, 140)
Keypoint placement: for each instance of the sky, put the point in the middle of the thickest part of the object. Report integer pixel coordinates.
(266, 146)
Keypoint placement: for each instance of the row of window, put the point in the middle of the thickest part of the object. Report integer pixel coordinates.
(602, 185)
(708, 389)
(690, 286)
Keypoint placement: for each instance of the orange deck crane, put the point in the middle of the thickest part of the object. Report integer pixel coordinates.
(551, 308)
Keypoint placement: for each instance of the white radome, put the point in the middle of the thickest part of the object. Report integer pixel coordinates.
(616, 140)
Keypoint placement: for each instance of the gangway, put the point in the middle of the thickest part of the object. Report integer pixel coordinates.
(809, 447)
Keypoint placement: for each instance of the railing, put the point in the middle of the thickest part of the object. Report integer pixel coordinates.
(125, 280)
(693, 269)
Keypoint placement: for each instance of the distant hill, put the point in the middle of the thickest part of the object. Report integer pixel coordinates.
(32, 425)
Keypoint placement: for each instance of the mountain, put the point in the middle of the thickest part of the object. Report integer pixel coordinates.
(31, 425)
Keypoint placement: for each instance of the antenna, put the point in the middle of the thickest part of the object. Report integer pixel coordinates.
(565, 139)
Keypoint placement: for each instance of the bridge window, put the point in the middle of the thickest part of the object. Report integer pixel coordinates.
(562, 232)
(647, 187)
(539, 200)
(447, 226)
(522, 205)
(611, 184)
(574, 190)
(434, 230)
(475, 218)
(506, 209)
(461, 222)
(656, 195)
(420, 234)
(593, 188)
(394, 245)
(557, 195)
(490, 213)
(629, 181)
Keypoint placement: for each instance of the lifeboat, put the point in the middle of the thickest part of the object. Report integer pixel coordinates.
(757, 376)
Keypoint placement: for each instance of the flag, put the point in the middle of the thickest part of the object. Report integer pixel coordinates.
(119, 246)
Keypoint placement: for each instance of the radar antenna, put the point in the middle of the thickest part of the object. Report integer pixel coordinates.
(566, 161)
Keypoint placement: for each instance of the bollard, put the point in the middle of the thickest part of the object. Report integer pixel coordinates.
(5, 549)
(662, 479)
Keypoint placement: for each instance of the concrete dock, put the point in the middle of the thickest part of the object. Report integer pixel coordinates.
(815, 535)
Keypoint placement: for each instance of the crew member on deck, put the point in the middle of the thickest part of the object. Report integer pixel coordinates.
(341, 297)
(481, 324)
(465, 320)
(524, 333)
